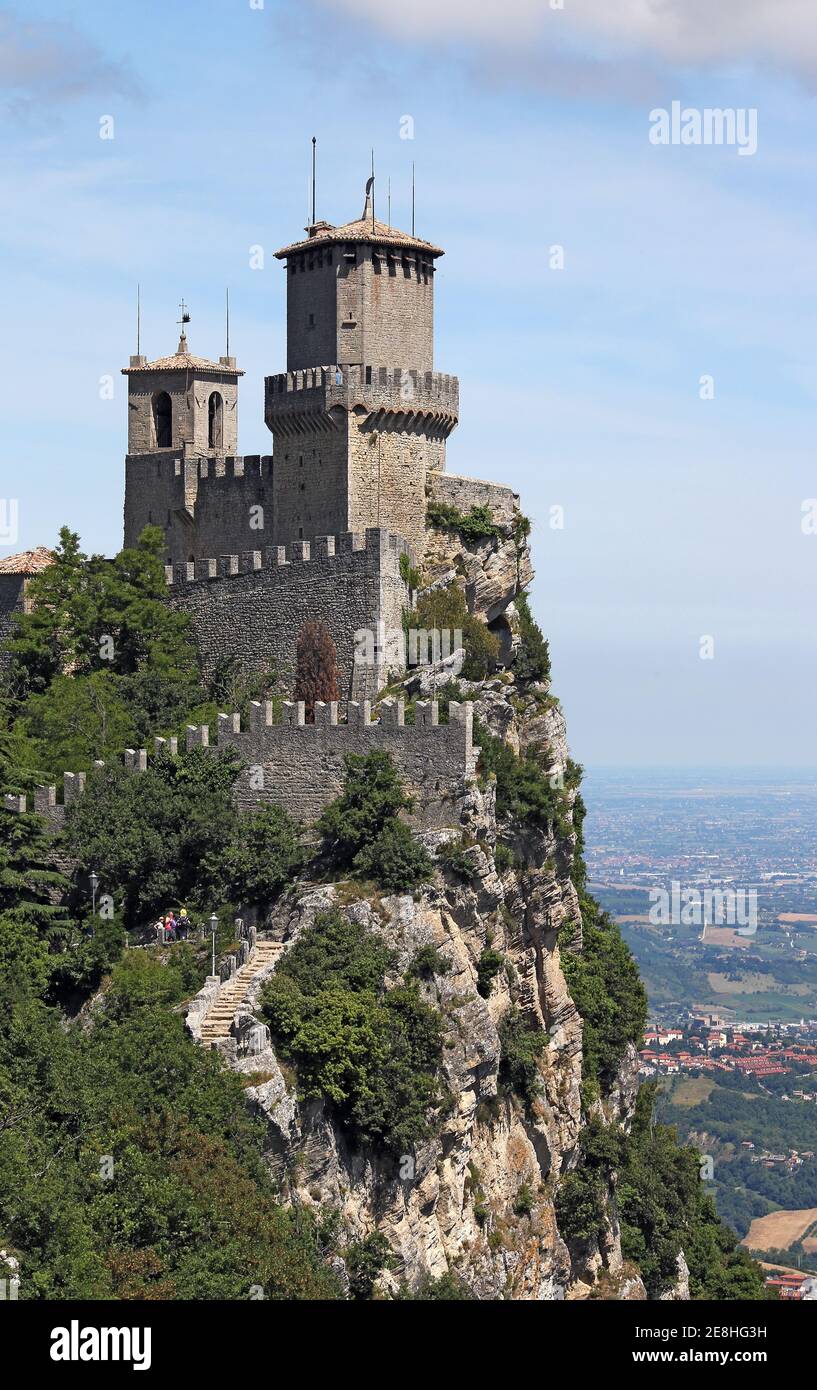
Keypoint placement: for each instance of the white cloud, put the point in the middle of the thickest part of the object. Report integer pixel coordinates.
(47, 64)
(772, 33)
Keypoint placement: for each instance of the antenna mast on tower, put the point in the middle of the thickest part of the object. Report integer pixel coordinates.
(314, 143)
(138, 320)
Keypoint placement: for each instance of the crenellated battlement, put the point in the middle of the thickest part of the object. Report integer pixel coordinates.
(300, 766)
(401, 394)
(373, 544)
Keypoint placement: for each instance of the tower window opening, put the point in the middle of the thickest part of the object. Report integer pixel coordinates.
(311, 321)
(163, 420)
(215, 416)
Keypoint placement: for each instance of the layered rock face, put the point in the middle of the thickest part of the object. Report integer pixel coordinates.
(477, 1198)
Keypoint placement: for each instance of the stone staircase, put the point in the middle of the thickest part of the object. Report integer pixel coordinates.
(217, 1020)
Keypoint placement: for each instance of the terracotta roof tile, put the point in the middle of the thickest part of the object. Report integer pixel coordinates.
(27, 562)
(363, 229)
(182, 360)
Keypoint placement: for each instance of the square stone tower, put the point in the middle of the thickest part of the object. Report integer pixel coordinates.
(360, 417)
(182, 413)
(181, 401)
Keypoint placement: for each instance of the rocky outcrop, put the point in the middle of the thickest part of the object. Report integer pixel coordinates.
(476, 1198)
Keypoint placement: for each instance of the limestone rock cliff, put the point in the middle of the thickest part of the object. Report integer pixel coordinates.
(477, 1198)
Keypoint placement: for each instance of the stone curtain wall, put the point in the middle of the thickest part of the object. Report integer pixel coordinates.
(252, 607)
(12, 598)
(465, 493)
(300, 766)
(207, 505)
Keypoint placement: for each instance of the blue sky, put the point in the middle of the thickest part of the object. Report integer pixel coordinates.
(580, 386)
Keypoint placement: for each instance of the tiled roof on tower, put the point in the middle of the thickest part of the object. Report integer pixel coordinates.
(365, 228)
(182, 360)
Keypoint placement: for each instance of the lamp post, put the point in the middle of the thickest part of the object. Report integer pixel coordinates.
(213, 929)
(94, 882)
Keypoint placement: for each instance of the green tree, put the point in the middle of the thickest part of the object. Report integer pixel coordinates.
(264, 856)
(372, 1053)
(372, 796)
(532, 660)
(395, 860)
(159, 837)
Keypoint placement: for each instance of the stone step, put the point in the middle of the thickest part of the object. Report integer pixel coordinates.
(217, 1021)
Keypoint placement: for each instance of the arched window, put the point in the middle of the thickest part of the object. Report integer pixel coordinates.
(214, 419)
(163, 420)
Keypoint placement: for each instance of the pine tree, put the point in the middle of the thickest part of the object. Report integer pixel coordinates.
(316, 675)
(31, 886)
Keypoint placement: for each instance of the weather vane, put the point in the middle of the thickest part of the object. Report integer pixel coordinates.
(185, 314)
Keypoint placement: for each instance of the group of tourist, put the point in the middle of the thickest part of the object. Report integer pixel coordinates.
(174, 925)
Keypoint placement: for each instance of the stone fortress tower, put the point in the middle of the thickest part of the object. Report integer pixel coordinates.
(320, 530)
(359, 422)
(360, 418)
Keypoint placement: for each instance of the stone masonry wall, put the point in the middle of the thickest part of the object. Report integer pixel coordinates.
(388, 467)
(206, 505)
(465, 493)
(189, 393)
(252, 607)
(12, 599)
(353, 447)
(300, 766)
(352, 305)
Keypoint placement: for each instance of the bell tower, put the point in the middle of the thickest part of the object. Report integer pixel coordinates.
(182, 420)
(182, 401)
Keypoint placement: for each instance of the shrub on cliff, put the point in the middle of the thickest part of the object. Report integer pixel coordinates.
(445, 610)
(473, 526)
(532, 660)
(521, 1046)
(316, 667)
(396, 861)
(361, 829)
(523, 789)
(607, 990)
(372, 1053)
